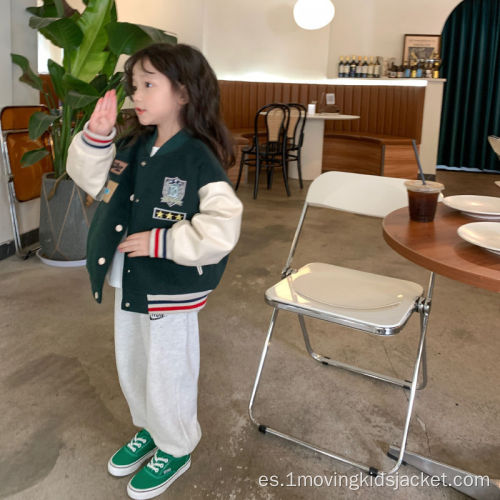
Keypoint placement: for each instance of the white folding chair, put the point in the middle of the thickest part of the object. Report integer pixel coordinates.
(370, 303)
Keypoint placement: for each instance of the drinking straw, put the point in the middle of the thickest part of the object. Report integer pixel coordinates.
(414, 144)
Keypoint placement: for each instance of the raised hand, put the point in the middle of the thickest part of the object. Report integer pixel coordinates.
(103, 118)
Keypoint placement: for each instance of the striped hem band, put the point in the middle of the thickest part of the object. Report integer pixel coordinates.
(160, 305)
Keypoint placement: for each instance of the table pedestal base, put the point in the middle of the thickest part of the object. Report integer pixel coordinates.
(312, 152)
(460, 480)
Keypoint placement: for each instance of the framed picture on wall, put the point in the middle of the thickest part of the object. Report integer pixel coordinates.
(421, 46)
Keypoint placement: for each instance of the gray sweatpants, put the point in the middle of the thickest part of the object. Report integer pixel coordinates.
(158, 363)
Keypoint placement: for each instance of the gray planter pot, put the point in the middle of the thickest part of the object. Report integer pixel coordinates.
(64, 220)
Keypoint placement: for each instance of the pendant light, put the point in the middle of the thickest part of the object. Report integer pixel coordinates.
(313, 14)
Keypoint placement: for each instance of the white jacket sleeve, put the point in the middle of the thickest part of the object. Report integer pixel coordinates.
(211, 234)
(88, 165)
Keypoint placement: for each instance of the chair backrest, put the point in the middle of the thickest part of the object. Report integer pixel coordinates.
(355, 193)
(298, 116)
(358, 193)
(276, 118)
(15, 142)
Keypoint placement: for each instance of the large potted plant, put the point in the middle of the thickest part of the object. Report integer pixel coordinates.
(92, 42)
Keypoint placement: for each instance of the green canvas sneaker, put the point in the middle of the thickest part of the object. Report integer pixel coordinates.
(153, 479)
(131, 456)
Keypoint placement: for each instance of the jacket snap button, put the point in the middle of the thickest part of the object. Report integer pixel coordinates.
(137, 200)
(127, 304)
(131, 197)
(128, 270)
(143, 163)
(101, 261)
(96, 295)
(119, 228)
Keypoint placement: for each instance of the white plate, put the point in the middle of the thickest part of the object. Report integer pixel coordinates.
(484, 207)
(483, 234)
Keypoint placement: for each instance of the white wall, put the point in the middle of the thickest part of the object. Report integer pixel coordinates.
(181, 17)
(377, 27)
(246, 37)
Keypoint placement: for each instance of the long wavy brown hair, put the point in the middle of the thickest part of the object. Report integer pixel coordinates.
(187, 67)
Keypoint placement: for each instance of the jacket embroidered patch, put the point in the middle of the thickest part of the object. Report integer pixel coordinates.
(118, 167)
(162, 214)
(109, 191)
(173, 191)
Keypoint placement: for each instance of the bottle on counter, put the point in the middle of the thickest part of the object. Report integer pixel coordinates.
(352, 67)
(413, 68)
(428, 68)
(369, 71)
(436, 65)
(340, 71)
(377, 68)
(400, 72)
(359, 67)
(364, 68)
(420, 68)
(406, 69)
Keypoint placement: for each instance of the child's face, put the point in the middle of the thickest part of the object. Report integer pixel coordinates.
(156, 101)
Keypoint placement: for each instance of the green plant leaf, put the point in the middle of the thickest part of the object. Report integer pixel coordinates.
(100, 83)
(56, 74)
(59, 7)
(31, 157)
(28, 76)
(158, 35)
(110, 65)
(127, 38)
(91, 56)
(50, 9)
(64, 32)
(39, 123)
(44, 11)
(76, 100)
(76, 85)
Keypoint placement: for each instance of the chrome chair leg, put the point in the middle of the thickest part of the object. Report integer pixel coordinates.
(261, 365)
(326, 360)
(373, 471)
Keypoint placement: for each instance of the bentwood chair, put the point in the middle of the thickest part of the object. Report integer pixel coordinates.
(24, 182)
(295, 136)
(272, 151)
(360, 301)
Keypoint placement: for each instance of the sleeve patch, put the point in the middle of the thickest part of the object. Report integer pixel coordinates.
(109, 191)
(118, 167)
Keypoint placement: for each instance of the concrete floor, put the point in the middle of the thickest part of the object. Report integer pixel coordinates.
(63, 414)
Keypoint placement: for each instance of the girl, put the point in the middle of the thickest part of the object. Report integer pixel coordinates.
(167, 220)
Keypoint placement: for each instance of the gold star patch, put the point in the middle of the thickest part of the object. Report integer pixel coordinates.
(169, 215)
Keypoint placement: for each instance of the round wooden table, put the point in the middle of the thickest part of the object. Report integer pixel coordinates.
(437, 247)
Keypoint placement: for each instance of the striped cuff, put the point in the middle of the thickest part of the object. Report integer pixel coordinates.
(158, 243)
(96, 140)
